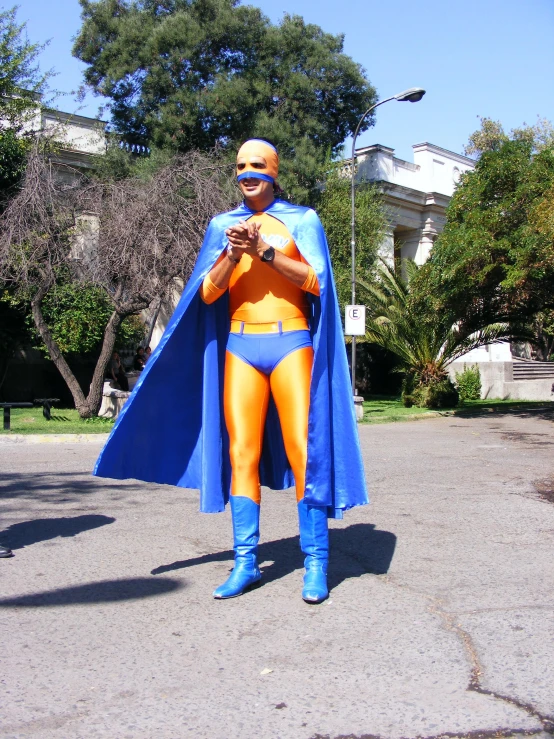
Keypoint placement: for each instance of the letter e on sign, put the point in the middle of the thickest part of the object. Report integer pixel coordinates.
(354, 320)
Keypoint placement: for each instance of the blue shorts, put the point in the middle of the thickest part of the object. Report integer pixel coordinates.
(265, 351)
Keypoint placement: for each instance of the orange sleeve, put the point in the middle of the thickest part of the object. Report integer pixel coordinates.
(210, 292)
(311, 285)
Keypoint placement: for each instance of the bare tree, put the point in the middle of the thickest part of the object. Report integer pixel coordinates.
(135, 238)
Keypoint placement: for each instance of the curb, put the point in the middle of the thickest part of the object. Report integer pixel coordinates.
(404, 419)
(91, 438)
(464, 412)
(52, 438)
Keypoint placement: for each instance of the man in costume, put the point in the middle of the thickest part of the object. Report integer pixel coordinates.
(255, 361)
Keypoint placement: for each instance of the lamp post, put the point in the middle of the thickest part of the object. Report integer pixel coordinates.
(413, 95)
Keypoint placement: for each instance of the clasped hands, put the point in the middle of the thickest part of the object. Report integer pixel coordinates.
(245, 238)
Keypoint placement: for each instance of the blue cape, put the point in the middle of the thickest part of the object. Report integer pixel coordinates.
(172, 429)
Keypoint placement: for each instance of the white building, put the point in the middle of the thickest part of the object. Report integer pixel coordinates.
(78, 137)
(416, 194)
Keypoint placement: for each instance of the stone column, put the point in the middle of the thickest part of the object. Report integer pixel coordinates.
(386, 247)
(429, 233)
(424, 247)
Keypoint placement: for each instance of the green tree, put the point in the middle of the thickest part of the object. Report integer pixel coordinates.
(77, 314)
(425, 344)
(21, 82)
(542, 215)
(494, 260)
(13, 155)
(21, 88)
(119, 162)
(491, 136)
(334, 209)
(542, 330)
(190, 74)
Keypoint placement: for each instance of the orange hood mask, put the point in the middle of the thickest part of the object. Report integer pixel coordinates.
(253, 149)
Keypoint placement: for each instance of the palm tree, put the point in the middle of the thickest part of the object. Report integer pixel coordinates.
(425, 344)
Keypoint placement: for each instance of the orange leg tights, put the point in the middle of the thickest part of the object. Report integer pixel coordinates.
(246, 397)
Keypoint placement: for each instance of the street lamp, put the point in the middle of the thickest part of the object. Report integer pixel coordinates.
(413, 95)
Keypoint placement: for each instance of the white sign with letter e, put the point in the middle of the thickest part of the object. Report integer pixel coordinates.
(354, 323)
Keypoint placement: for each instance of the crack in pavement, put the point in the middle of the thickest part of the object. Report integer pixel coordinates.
(545, 489)
(492, 734)
(476, 671)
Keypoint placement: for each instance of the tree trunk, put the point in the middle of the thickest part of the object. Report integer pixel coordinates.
(155, 308)
(541, 345)
(90, 405)
(94, 398)
(54, 351)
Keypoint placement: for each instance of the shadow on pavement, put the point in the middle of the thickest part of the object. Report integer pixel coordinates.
(20, 535)
(63, 487)
(104, 591)
(357, 550)
(545, 413)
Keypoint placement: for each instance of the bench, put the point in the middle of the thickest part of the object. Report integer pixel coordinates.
(46, 404)
(7, 411)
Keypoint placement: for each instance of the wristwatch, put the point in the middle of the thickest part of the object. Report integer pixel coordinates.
(268, 255)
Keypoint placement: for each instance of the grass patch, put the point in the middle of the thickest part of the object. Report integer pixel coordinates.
(377, 409)
(384, 409)
(63, 421)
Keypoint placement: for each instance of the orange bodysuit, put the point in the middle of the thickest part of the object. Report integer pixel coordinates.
(259, 294)
(262, 301)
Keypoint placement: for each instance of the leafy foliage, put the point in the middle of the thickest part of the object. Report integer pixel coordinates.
(120, 162)
(494, 260)
(440, 393)
(491, 136)
(468, 383)
(77, 314)
(21, 83)
(21, 88)
(13, 156)
(334, 208)
(425, 344)
(542, 330)
(542, 215)
(190, 74)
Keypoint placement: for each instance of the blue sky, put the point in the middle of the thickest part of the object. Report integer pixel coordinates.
(491, 58)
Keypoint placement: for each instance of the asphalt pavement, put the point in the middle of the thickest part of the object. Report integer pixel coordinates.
(439, 623)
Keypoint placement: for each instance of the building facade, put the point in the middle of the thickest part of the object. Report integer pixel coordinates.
(416, 195)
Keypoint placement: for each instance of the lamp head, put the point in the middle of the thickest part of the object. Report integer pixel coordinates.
(413, 95)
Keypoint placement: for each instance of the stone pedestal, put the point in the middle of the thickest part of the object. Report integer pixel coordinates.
(359, 407)
(132, 378)
(112, 401)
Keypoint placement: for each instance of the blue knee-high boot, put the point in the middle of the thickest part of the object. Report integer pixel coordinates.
(314, 542)
(246, 531)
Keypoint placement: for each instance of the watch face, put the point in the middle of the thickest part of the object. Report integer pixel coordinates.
(268, 255)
